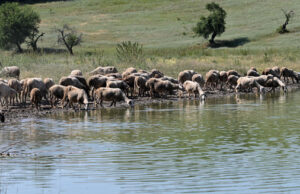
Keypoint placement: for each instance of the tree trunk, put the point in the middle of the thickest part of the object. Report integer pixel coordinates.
(20, 50)
(212, 39)
(70, 50)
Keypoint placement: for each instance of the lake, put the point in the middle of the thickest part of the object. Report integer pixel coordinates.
(237, 144)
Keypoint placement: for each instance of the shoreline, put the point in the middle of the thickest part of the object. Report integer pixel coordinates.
(16, 113)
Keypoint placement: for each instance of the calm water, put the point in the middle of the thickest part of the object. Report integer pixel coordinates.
(245, 144)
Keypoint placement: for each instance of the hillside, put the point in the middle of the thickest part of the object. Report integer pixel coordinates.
(164, 29)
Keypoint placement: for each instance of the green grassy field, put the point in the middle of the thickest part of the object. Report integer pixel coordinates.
(164, 29)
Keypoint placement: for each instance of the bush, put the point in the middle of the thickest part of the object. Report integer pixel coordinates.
(16, 24)
(130, 53)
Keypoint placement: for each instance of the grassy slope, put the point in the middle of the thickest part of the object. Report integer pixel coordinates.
(160, 26)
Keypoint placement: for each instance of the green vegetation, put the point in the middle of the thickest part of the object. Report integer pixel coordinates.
(213, 24)
(164, 28)
(16, 24)
(69, 37)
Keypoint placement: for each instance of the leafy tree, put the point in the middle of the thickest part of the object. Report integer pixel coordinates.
(213, 24)
(69, 37)
(33, 38)
(288, 16)
(16, 24)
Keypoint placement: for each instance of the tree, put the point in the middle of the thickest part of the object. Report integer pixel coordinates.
(213, 24)
(16, 24)
(69, 37)
(33, 38)
(288, 15)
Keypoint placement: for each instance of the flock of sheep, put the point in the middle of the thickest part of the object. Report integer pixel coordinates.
(106, 84)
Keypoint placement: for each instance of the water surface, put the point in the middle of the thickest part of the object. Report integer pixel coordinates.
(244, 144)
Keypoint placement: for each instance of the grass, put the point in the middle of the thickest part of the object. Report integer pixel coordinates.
(164, 29)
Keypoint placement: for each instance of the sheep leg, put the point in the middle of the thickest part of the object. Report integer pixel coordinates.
(112, 103)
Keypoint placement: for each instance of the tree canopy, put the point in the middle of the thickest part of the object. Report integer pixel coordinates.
(16, 24)
(213, 24)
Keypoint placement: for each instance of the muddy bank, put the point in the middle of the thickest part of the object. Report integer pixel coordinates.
(16, 113)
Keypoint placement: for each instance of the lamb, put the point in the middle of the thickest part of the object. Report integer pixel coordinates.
(194, 88)
(104, 70)
(12, 71)
(185, 75)
(111, 94)
(56, 92)
(31, 83)
(76, 72)
(36, 98)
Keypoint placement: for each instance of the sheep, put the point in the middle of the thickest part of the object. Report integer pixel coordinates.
(97, 81)
(16, 85)
(73, 81)
(253, 73)
(6, 92)
(117, 84)
(104, 70)
(49, 83)
(247, 83)
(171, 79)
(263, 79)
(276, 69)
(194, 88)
(212, 79)
(150, 85)
(78, 96)
(276, 82)
(271, 71)
(128, 71)
(56, 92)
(76, 72)
(288, 73)
(223, 78)
(199, 79)
(165, 87)
(156, 74)
(185, 75)
(111, 94)
(12, 71)
(140, 85)
(36, 98)
(114, 75)
(31, 83)
(232, 81)
(233, 72)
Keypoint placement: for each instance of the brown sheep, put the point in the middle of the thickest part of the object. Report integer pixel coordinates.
(199, 79)
(270, 71)
(118, 84)
(140, 85)
(114, 75)
(56, 92)
(288, 73)
(74, 81)
(185, 75)
(150, 85)
(12, 71)
(156, 74)
(232, 81)
(36, 98)
(247, 84)
(223, 78)
(194, 88)
(104, 70)
(233, 72)
(48, 83)
(128, 71)
(111, 94)
(212, 79)
(78, 96)
(253, 73)
(276, 82)
(174, 81)
(163, 88)
(35, 83)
